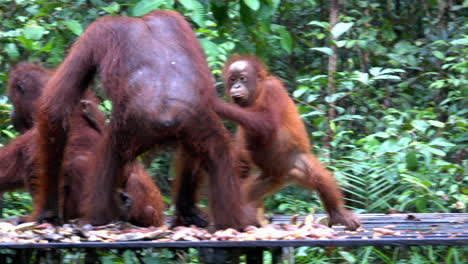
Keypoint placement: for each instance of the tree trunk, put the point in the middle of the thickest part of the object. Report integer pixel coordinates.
(365, 53)
(332, 62)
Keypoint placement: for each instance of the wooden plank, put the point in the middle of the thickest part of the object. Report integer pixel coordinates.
(430, 229)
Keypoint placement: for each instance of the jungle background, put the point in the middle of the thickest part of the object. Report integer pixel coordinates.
(380, 84)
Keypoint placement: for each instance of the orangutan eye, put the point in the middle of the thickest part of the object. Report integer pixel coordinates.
(20, 88)
(243, 79)
(232, 79)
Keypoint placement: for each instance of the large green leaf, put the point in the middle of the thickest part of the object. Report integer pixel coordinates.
(210, 48)
(299, 92)
(348, 118)
(442, 142)
(437, 152)
(112, 8)
(463, 41)
(325, 50)
(8, 133)
(286, 39)
(190, 4)
(341, 28)
(252, 4)
(47, 47)
(362, 77)
(334, 97)
(321, 24)
(411, 160)
(266, 11)
(436, 123)
(420, 125)
(438, 54)
(12, 51)
(34, 32)
(146, 6)
(348, 257)
(197, 11)
(74, 26)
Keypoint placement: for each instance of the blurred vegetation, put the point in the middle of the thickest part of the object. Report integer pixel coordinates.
(397, 138)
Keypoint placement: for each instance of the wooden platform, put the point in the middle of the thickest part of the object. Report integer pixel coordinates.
(410, 229)
(407, 229)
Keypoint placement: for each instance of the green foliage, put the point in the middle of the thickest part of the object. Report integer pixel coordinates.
(146, 6)
(16, 203)
(252, 4)
(195, 11)
(6, 129)
(74, 26)
(112, 8)
(400, 130)
(388, 255)
(293, 200)
(156, 256)
(340, 28)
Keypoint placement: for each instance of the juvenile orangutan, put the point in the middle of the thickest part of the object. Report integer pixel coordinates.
(272, 137)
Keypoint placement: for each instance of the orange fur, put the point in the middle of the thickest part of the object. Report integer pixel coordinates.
(87, 125)
(154, 71)
(272, 134)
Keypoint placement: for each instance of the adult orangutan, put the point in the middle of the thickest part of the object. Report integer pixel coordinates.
(153, 70)
(272, 136)
(25, 85)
